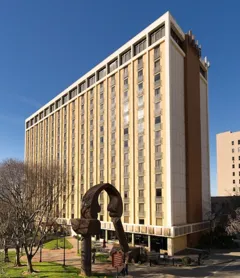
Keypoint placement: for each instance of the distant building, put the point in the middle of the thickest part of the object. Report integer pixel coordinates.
(228, 163)
(138, 120)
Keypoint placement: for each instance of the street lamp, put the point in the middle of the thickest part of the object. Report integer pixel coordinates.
(77, 244)
(41, 246)
(64, 248)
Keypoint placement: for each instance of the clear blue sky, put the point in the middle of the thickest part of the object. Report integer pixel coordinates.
(46, 45)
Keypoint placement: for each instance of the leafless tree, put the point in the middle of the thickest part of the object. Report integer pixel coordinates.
(233, 226)
(35, 195)
(5, 230)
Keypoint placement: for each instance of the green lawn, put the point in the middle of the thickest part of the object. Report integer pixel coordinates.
(102, 257)
(60, 243)
(44, 270)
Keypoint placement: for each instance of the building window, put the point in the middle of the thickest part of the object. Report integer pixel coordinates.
(125, 82)
(233, 166)
(233, 173)
(73, 93)
(65, 99)
(125, 194)
(238, 142)
(125, 144)
(112, 80)
(157, 79)
(126, 56)
(126, 131)
(113, 90)
(232, 143)
(141, 208)
(158, 207)
(233, 181)
(158, 179)
(238, 149)
(113, 65)
(113, 159)
(101, 89)
(234, 189)
(125, 108)
(158, 192)
(141, 221)
(157, 120)
(157, 66)
(141, 180)
(140, 47)
(140, 114)
(157, 92)
(157, 34)
(126, 207)
(140, 101)
(140, 88)
(91, 80)
(157, 135)
(101, 73)
(140, 153)
(82, 86)
(125, 72)
(140, 62)
(126, 119)
(156, 52)
(140, 140)
(140, 127)
(141, 193)
(158, 163)
(125, 181)
(232, 150)
(157, 108)
(140, 167)
(140, 75)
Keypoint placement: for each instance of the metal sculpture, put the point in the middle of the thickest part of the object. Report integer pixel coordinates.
(88, 225)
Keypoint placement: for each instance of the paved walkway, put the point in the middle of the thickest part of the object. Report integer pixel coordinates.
(72, 258)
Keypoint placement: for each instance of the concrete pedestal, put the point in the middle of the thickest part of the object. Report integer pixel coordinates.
(86, 256)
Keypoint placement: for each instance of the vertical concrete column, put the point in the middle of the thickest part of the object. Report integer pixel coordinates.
(133, 243)
(106, 235)
(149, 243)
(170, 244)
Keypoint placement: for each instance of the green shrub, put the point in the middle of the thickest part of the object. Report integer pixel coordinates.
(186, 260)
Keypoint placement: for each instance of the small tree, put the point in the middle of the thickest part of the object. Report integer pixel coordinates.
(34, 194)
(5, 230)
(233, 226)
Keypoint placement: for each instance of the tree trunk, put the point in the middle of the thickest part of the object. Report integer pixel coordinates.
(6, 258)
(18, 263)
(30, 266)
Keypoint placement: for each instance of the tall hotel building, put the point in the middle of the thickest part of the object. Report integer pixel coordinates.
(138, 120)
(228, 163)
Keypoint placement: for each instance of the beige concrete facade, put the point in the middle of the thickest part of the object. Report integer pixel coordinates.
(228, 163)
(124, 123)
